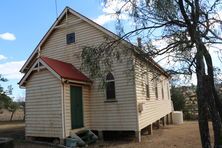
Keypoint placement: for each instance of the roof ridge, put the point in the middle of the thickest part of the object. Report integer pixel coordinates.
(99, 27)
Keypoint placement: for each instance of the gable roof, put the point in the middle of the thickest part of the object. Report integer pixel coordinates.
(65, 70)
(99, 27)
(61, 70)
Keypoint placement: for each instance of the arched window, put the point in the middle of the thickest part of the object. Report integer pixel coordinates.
(147, 86)
(110, 86)
(162, 89)
(156, 88)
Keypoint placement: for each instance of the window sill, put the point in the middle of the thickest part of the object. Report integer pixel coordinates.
(110, 101)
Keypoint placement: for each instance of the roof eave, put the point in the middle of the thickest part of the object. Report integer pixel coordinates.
(101, 28)
(66, 80)
(22, 70)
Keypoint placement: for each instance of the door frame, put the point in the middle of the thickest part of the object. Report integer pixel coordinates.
(70, 85)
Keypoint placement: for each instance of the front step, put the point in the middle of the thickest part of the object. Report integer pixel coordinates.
(81, 137)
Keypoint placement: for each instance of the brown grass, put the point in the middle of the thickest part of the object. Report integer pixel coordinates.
(171, 136)
(5, 115)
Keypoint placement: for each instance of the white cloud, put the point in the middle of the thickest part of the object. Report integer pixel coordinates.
(160, 43)
(2, 57)
(10, 70)
(103, 19)
(109, 11)
(7, 36)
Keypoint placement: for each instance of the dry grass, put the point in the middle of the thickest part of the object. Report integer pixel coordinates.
(5, 115)
(172, 136)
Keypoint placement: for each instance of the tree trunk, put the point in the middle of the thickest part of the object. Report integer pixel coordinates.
(12, 115)
(214, 103)
(216, 121)
(24, 113)
(202, 102)
(210, 71)
(203, 119)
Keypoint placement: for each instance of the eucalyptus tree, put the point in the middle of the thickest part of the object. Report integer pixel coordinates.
(6, 101)
(188, 29)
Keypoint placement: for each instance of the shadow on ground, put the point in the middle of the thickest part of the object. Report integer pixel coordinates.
(16, 130)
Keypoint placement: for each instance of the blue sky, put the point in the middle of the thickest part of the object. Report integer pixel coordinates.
(24, 23)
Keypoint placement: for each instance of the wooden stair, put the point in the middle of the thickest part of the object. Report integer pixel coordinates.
(80, 138)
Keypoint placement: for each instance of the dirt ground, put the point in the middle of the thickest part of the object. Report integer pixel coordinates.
(12, 129)
(171, 136)
(16, 130)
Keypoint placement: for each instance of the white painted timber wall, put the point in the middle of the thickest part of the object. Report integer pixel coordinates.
(153, 108)
(120, 115)
(43, 105)
(85, 35)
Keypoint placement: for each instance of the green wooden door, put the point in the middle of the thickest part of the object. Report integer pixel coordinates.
(76, 107)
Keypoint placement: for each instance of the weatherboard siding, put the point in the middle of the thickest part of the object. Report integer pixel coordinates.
(153, 108)
(45, 94)
(43, 105)
(120, 115)
(85, 35)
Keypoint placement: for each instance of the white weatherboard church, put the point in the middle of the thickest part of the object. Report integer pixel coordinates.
(61, 99)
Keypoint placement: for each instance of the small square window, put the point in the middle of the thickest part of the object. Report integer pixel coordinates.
(70, 38)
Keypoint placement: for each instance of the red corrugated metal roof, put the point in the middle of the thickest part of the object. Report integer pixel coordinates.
(65, 70)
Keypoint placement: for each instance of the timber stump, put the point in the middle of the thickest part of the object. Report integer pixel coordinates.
(6, 143)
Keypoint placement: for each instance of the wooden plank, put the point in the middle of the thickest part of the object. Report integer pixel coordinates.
(43, 107)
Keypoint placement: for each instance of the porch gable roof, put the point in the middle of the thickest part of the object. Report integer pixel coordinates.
(62, 70)
(65, 70)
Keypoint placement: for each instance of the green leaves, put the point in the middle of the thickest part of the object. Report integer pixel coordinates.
(3, 79)
(98, 60)
(165, 9)
(5, 101)
(91, 61)
(178, 99)
(13, 106)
